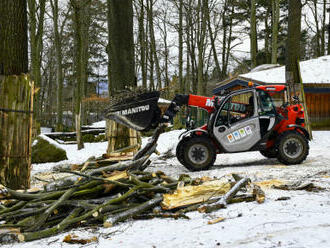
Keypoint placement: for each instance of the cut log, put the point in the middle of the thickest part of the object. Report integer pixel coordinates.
(188, 195)
(222, 203)
(30, 236)
(152, 143)
(109, 222)
(119, 166)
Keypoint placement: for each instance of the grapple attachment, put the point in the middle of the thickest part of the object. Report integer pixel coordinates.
(140, 112)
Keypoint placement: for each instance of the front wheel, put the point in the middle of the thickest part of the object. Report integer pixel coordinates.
(292, 148)
(196, 153)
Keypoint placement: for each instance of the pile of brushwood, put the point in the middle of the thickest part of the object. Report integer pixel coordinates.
(111, 194)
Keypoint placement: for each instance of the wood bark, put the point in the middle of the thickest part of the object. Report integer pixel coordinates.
(328, 10)
(121, 45)
(81, 60)
(13, 37)
(267, 38)
(109, 222)
(253, 34)
(15, 95)
(180, 58)
(318, 32)
(324, 16)
(275, 22)
(142, 43)
(293, 46)
(121, 63)
(213, 46)
(59, 67)
(153, 46)
(15, 131)
(222, 203)
(36, 27)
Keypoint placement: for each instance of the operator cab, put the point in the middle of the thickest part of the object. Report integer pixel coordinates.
(244, 120)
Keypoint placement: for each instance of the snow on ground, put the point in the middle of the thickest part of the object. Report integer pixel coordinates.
(301, 221)
(100, 124)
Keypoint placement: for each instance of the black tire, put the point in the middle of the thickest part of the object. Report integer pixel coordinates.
(196, 153)
(270, 153)
(179, 150)
(292, 148)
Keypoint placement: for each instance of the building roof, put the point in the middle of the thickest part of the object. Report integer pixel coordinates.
(314, 71)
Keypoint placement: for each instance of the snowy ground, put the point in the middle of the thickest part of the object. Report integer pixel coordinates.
(301, 221)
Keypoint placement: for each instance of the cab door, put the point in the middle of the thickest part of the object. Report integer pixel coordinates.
(237, 126)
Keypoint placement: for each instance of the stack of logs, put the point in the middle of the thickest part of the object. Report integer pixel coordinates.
(111, 194)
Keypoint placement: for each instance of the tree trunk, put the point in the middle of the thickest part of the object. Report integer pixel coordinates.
(214, 50)
(318, 32)
(142, 42)
(323, 27)
(267, 34)
(36, 21)
(253, 35)
(15, 131)
(328, 10)
(276, 19)
(121, 63)
(293, 45)
(180, 34)
(15, 94)
(224, 38)
(80, 61)
(201, 44)
(121, 45)
(229, 42)
(13, 38)
(153, 47)
(59, 68)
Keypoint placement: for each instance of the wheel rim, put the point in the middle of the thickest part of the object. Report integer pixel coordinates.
(292, 148)
(198, 154)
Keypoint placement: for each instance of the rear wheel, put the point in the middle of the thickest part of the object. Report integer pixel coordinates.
(196, 153)
(269, 153)
(292, 148)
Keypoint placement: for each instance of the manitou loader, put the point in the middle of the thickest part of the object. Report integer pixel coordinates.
(239, 121)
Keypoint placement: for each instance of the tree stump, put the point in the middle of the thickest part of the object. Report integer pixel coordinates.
(121, 137)
(16, 106)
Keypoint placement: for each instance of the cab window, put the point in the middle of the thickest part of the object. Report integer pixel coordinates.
(238, 108)
(266, 104)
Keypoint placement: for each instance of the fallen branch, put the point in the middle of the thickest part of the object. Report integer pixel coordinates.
(109, 222)
(222, 203)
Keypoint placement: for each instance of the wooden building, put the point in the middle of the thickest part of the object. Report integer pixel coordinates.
(316, 79)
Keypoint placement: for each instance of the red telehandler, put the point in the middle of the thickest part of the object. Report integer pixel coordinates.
(239, 121)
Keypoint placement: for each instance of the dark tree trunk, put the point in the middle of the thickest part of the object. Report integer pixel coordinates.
(59, 68)
(121, 45)
(328, 10)
(180, 33)
(15, 95)
(253, 35)
(293, 45)
(121, 63)
(13, 37)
